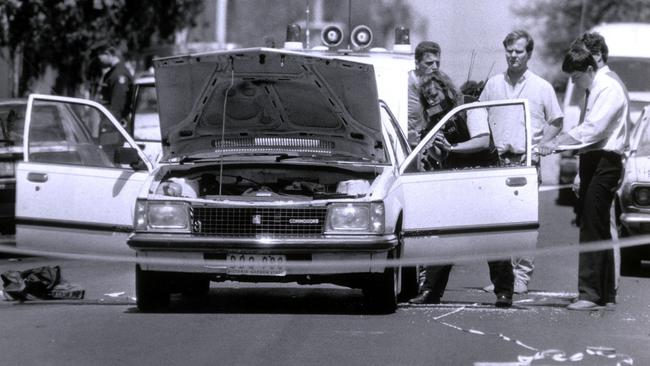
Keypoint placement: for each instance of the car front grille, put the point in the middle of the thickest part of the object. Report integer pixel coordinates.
(255, 222)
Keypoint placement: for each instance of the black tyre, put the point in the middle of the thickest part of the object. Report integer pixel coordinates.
(195, 286)
(151, 290)
(630, 256)
(380, 293)
(410, 286)
(630, 261)
(408, 275)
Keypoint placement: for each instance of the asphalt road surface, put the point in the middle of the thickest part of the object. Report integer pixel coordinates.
(271, 324)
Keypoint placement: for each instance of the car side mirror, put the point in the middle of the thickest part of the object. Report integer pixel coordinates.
(128, 156)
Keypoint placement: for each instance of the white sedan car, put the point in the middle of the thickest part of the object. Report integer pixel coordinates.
(276, 166)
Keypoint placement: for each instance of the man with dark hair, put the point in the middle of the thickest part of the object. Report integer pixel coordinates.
(600, 139)
(116, 83)
(509, 131)
(595, 43)
(427, 59)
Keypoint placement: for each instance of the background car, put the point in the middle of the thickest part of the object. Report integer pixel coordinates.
(633, 197)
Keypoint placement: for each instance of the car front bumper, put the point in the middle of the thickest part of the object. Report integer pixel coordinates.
(304, 256)
(636, 223)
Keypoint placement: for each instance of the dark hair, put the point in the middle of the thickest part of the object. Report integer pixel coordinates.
(426, 47)
(517, 34)
(594, 42)
(442, 102)
(578, 59)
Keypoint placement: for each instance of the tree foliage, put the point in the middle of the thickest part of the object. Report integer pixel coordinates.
(561, 21)
(62, 33)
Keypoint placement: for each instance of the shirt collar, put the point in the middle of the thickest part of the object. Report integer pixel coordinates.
(521, 79)
(603, 70)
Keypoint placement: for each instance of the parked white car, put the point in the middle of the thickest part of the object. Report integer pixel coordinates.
(633, 197)
(276, 166)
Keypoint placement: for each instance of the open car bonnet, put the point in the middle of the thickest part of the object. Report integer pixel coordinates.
(267, 101)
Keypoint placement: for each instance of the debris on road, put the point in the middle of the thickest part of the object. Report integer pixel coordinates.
(41, 283)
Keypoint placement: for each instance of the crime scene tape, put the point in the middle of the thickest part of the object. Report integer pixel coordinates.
(444, 258)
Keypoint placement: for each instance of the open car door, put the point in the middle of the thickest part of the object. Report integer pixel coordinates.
(77, 184)
(481, 205)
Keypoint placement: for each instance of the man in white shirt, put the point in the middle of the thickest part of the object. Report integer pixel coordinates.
(600, 138)
(507, 125)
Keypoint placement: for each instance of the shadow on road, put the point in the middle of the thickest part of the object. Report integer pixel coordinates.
(269, 300)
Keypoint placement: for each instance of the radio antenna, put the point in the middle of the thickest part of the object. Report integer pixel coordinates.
(349, 22)
(471, 64)
(490, 72)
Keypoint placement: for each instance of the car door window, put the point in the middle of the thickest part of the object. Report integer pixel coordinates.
(394, 135)
(74, 134)
(146, 125)
(475, 137)
(463, 207)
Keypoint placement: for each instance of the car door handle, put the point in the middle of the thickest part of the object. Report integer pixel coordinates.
(37, 177)
(516, 181)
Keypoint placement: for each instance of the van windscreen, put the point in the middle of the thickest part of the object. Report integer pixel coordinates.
(634, 72)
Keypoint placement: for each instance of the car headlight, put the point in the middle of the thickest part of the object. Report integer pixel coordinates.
(170, 216)
(355, 217)
(7, 169)
(641, 196)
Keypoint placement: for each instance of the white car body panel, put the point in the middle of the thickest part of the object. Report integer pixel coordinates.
(449, 211)
(74, 207)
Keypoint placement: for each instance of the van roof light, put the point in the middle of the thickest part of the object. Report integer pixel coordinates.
(402, 40)
(293, 41)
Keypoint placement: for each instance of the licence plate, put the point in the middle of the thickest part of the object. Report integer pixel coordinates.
(256, 264)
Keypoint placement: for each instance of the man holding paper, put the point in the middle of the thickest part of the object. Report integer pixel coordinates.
(600, 138)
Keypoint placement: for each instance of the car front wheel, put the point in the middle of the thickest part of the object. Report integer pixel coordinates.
(150, 290)
(380, 293)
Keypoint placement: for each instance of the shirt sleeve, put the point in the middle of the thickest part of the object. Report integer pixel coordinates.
(601, 116)
(477, 123)
(552, 108)
(415, 119)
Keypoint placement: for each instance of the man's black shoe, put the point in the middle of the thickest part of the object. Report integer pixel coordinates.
(426, 297)
(503, 301)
